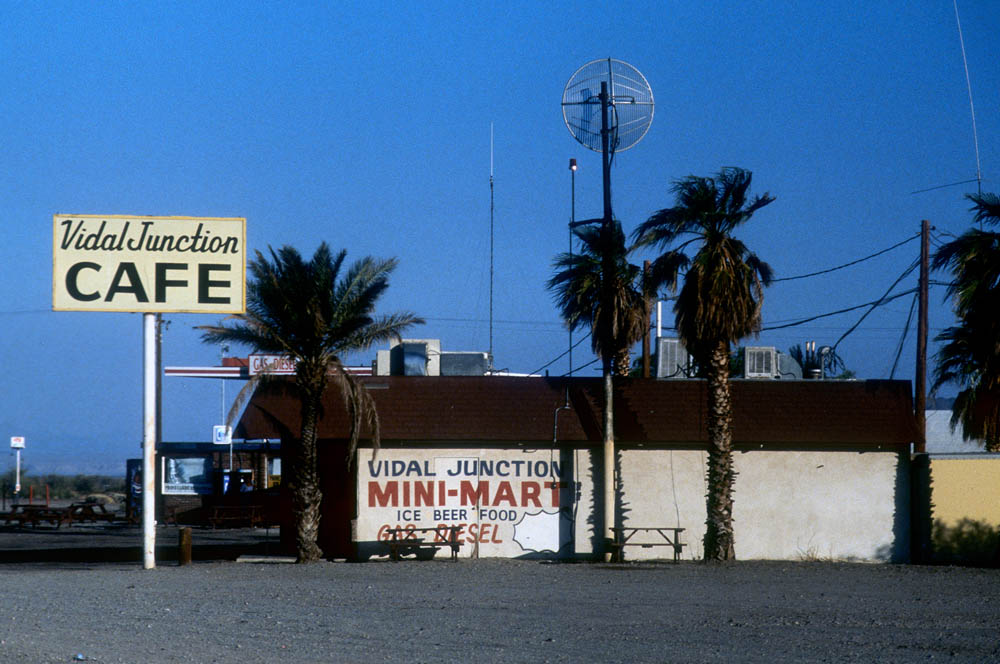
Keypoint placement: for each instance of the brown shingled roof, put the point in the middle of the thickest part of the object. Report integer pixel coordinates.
(513, 409)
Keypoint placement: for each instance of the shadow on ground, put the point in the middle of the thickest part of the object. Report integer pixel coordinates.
(122, 543)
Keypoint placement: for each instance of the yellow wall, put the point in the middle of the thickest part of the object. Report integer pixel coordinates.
(966, 489)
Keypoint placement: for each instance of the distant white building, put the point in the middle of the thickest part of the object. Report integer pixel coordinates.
(939, 436)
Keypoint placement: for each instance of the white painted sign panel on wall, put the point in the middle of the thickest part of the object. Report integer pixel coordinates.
(148, 264)
(504, 502)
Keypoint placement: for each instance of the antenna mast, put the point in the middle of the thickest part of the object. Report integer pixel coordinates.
(491, 250)
(972, 108)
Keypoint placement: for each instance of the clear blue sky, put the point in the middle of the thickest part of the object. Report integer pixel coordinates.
(367, 125)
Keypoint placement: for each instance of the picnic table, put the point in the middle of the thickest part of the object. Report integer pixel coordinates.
(668, 536)
(35, 514)
(403, 540)
(89, 512)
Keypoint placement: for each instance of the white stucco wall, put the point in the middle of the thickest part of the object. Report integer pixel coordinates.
(515, 502)
(788, 505)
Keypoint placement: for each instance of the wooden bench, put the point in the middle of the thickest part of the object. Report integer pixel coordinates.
(668, 536)
(406, 540)
(236, 515)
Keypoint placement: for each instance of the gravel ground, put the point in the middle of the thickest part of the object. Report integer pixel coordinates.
(497, 611)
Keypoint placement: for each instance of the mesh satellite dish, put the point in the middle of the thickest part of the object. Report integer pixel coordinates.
(630, 100)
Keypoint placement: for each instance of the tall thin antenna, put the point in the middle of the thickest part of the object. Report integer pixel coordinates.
(491, 249)
(972, 108)
(975, 135)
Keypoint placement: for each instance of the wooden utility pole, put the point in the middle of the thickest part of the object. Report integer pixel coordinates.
(920, 478)
(920, 389)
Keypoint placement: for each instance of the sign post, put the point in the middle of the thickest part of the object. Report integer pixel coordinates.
(149, 441)
(149, 265)
(223, 435)
(17, 444)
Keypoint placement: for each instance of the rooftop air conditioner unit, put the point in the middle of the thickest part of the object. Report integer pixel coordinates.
(671, 359)
(760, 362)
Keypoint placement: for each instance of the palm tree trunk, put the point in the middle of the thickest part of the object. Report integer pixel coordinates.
(719, 525)
(306, 493)
(623, 362)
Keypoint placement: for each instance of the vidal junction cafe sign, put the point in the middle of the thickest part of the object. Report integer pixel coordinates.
(148, 264)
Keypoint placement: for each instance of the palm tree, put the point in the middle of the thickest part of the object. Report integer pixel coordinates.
(719, 303)
(313, 313)
(970, 356)
(577, 285)
(597, 288)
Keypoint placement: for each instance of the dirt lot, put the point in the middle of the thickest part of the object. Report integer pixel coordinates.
(491, 611)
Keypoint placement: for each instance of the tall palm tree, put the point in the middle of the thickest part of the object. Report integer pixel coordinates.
(315, 312)
(970, 356)
(719, 303)
(577, 285)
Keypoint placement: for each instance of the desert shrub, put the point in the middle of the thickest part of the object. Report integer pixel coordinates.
(968, 542)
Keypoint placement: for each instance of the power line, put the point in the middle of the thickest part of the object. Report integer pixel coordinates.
(855, 262)
(883, 300)
(475, 321)
(902, 338)
(560, 356)
(943, 186)
(593, 361)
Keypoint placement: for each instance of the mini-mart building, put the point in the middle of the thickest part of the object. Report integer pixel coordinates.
(515, 462)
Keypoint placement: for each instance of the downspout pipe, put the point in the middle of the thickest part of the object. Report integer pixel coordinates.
(555, 418)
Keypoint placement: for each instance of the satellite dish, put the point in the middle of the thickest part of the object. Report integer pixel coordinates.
(630, 102)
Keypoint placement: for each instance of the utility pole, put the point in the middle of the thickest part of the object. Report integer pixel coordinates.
(920, 478)
(572, 225)
(646, 309)
(607, 270)
(920, 396)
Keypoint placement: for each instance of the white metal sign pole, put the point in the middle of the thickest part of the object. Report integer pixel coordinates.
(149, 442)
(17, 444)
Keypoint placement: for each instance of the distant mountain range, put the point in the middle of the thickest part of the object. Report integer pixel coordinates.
(40, 465)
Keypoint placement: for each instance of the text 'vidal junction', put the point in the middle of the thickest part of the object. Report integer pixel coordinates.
(465, 468)
(77, 236)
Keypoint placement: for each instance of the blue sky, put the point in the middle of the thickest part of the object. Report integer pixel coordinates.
(367, 125)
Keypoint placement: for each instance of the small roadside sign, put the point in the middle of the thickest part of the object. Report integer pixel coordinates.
(17, 442)
(222, 435)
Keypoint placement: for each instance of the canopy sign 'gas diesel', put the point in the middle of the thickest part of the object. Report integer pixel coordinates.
(148, 264)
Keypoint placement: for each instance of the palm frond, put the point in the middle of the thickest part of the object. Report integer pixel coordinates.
(986, 208)
(722, 293)
(614, 311)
